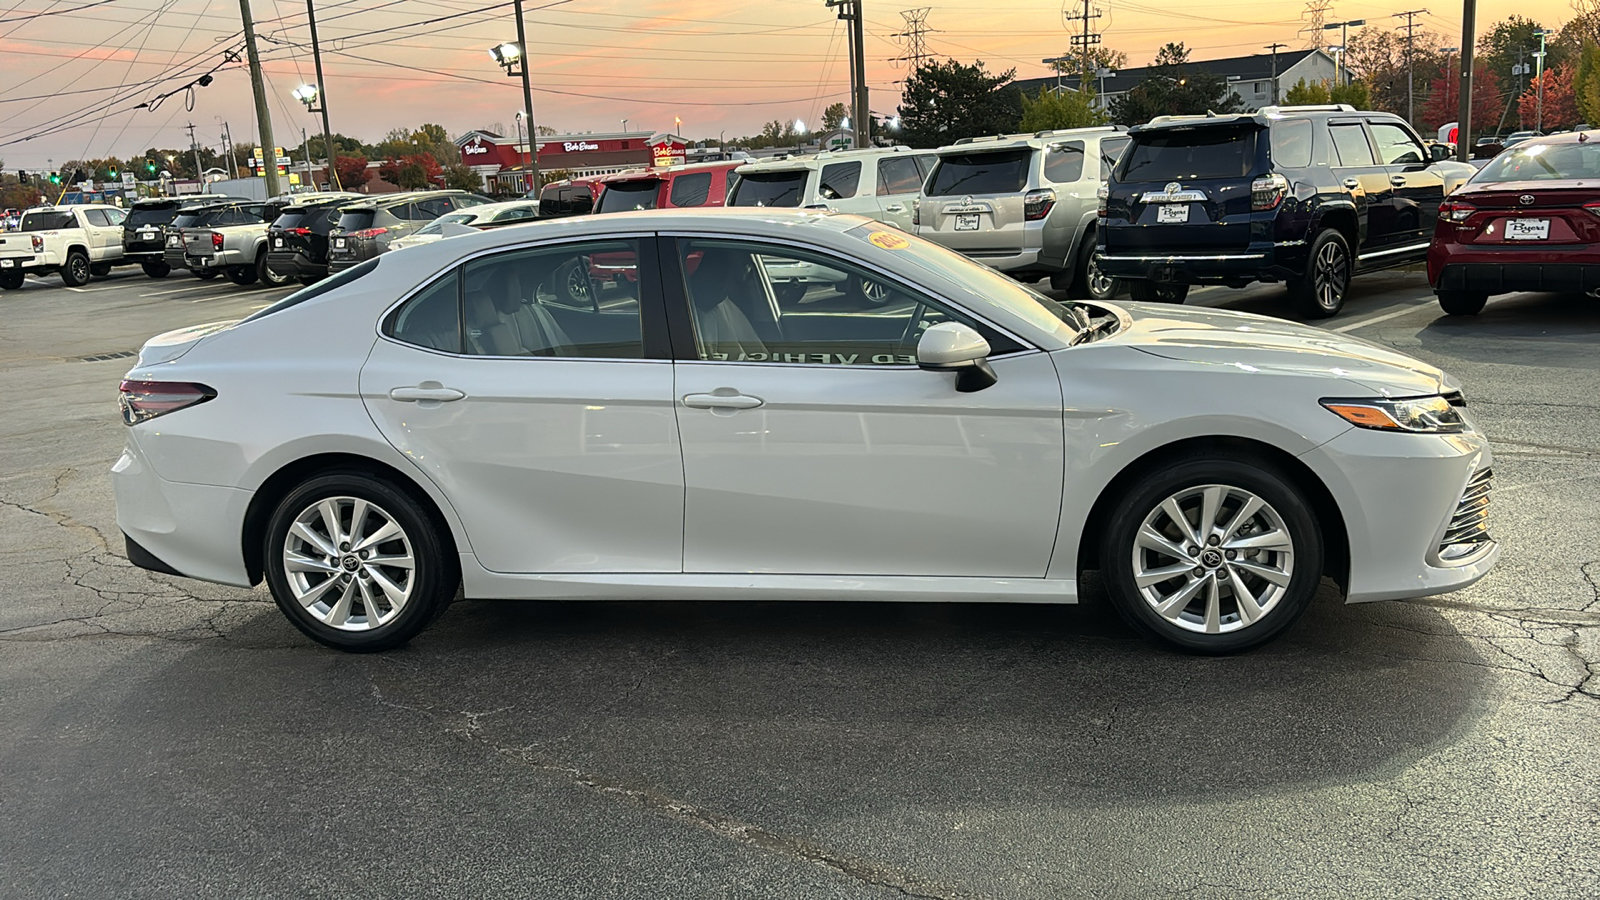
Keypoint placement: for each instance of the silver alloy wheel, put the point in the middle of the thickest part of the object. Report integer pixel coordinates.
(875, 293)
(1213, 559)
(1331, 276)
(349, 564)
(578, 284)
(1101, 285)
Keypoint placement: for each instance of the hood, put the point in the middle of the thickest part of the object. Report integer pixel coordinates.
(167, 347)
(1261, 343)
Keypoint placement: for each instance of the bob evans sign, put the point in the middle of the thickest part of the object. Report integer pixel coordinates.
(578, 146)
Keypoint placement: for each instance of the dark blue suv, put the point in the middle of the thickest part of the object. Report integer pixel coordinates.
(1306, 195)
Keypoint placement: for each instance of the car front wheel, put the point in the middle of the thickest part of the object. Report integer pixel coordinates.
(1462, 303)
(356, 563)
(1213, 555)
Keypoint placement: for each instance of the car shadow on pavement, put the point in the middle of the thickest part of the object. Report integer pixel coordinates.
(1561, 318)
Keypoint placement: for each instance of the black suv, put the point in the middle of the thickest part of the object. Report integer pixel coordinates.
(1307, 195)
(364, 230)
(297, 242)
(144, 232)
(172, 255)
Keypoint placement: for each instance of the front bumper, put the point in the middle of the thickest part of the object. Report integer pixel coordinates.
(193, 530)
(1235, 268)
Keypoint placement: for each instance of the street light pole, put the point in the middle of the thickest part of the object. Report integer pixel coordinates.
(527, 103)
(1538, 68)
(1469, 12)
(322, 97)
(1344, 42)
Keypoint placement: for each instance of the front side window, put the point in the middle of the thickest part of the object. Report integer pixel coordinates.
(1063, 163)
(691, 190)
(572, 300)
(1396, 147)
(431, 319)
(898, 175)
(1350, 144)
(96, 217)
(840, 180)
(116, 216)
(432, 209)
(764, 303)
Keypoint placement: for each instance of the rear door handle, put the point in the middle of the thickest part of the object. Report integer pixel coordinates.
(895, 208)
(426, 392)
(721, 401)
(1397, 180)
(1352, 183)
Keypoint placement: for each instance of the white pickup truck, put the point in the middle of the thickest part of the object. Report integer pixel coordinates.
(77, 241)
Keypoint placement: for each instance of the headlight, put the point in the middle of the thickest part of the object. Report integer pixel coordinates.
(1419, 415)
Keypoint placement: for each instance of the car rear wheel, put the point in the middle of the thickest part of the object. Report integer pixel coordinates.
(1462, 303)
(1212, 555)
(11, 280)
(156, 269)
(356, 563)
(572, 283)
(1320, 293)
(1151, 292)
(309, 280)
(205, 274)
(1089, 282)
(242, 275)
(269, 277)
(76, 272)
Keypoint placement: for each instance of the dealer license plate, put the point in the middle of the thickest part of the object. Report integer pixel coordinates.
(7, 263)
(1172, 213)
(1527, 229)
(339, 242)
(967, 222)
(148, 235)
(277, 242)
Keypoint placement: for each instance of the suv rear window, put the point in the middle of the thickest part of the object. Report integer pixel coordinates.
(186, 219)
(46, 220)
(999, 172)
(771, 188)
(632, 194)
(1186, 153)
(155, 214)
(355, 219)
(291, 218)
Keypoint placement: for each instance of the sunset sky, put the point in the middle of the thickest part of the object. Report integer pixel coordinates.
(76, 80)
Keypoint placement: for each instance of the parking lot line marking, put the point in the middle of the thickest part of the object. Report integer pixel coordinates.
(89, 290)
(1374, 320)
(197, 287)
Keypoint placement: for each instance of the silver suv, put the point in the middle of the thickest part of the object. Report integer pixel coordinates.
(1025, 204)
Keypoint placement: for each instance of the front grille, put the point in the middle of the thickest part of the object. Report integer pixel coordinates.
(1468, 531)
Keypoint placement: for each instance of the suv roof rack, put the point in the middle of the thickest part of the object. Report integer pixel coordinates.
(1052, 132)
(1313, 107)
(986, 137)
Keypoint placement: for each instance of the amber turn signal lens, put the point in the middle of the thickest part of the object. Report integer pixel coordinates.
(1365, 416)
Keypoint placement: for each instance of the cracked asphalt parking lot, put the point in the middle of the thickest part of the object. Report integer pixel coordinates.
(161, 737)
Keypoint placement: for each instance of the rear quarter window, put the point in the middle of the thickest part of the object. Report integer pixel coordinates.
(1063, 163)
(1291, 143)
(691, 190)
(840, 180)
(1180, 154)
(997, 172)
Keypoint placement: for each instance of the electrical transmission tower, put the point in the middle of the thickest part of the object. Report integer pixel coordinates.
(1316, 15)
(1082, 42)
(914, 40)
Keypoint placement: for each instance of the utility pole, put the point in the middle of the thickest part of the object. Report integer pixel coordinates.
(1275, 47)
(196, 148)
(1082, 43)
(227, 135)
(860, 112)
(322, 98)
(269, 150)
(1469, 11)
(527, 105)
(305, 153)
(1411, 65)
(1538, 68)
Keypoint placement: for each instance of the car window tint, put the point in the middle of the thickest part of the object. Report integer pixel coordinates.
(771, 188)
(998, 172)
(1063, 163)
(514, 214)
(46, 220)
(116, 216)
(689, 190)
(1395, 146)
(1291, 143)
(1350, 144)
(621, 196)
(432, 318)
(1543, 162)
(96, 217)
(839, 181)
(755, 302)
(925, 164)
(898, 175)
(572, 300)
(1181, 154)
(1110, 151)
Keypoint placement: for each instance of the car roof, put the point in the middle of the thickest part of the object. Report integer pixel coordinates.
(1263, 117)
(814, 160)
(51, 207)
(383, 201)
(1038, 139)
(660, 172)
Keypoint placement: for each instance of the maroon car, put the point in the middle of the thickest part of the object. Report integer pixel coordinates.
(1528, 221)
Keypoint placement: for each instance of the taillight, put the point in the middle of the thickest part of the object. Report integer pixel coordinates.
(1104, 196)
(1037, 204)
(301, 231)
(216, 241)
(1593, 206)
(1267, 192)
(1456, 211)
(369, 232)
(38, 244)
(144, 400)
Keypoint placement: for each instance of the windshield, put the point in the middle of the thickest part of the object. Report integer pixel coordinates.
(1182, 154)
(985, 288)
(158, 214)
(1000, 172)
(620, 196)
(437, 225)
(771, 188)
(1543, 162)
(46, 220)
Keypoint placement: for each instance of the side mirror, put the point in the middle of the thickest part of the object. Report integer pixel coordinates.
(954, 347)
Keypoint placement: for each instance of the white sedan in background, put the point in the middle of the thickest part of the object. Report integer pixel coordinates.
(453, 417)
(474, 217)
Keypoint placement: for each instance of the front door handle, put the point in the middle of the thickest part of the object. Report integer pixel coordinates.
(895, 208)
(1397, 180)
(425, 392)
(1352, 183)
(721, 401)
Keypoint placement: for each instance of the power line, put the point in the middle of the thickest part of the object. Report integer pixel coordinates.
(1082, 42)
(56, 12)
(1411, 26)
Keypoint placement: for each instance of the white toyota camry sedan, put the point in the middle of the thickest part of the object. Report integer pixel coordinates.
(457, 418)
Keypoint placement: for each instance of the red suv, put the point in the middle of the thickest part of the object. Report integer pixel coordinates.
(675, 187)
(1529, 221)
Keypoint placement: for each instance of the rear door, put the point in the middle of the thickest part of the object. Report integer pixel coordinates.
(974, 201)
(1185, 190)
(1418, 186)
(899, 184)
(1358, 172)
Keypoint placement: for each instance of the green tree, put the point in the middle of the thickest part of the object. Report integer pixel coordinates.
(834, 116)
(1059, 109)
(1354, 94)
(1099, 56)
(1303, 94)
(1511, 42)
(944, 102)
(458, 177)
(1172, 88)
(1586, 85)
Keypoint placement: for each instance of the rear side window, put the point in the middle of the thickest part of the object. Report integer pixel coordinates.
(771, 188)
(431, 319)
(355, 219)
(181, 220)
(899, 175)
(691, 190)
(1063, 163)
(621, 196)
(46, 221)
(840, 180)
(1291, 143)
(1000, 172)
(429, 210)
(1187, 153)
(1110, 151)
(1350, 144)
(96, 217)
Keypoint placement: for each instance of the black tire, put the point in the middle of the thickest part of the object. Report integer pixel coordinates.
(205, 274)
(791, 292)
(434, 578)
(100, 270)
(76, 271)
(268, 277)
(242, 275)
(1144, 291)
(1462, 303)
(11, 280)
(309, 280)
(1320, 293)
(869, 292)
(1190, 479)
(156, 269)
(1087, 282)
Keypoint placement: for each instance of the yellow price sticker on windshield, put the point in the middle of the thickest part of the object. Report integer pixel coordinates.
(888, 240)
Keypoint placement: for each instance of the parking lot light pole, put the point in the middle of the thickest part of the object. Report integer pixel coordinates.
(322, 94)
(1344, 41)
(1469, 12)
(1538, 69)
(514, 59)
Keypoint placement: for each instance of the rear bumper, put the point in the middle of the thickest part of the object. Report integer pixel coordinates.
(23, 264)
(182, 529)
(295, 264)
(1257, 262)
(340, 263)
(1502, 278)
(174, 258)
(219, 260)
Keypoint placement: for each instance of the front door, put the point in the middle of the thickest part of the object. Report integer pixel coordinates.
(812, 444)
(546, 419)
(1418, 186)
(1356, 168)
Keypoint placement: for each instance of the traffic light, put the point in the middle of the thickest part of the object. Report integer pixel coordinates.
(150, 166)
(22, 177)
(113, 171)
(55, 177)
